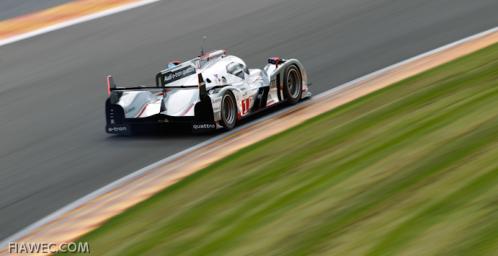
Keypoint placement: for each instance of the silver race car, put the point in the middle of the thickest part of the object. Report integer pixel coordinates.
(212, 91)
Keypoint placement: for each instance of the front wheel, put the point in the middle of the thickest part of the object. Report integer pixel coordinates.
(228, 110)
(293, 84)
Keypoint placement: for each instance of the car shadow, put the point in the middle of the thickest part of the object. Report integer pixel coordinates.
(184, 131)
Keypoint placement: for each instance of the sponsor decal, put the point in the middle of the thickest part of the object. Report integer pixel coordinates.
(117, 129)
(178, 74)
(208, 126)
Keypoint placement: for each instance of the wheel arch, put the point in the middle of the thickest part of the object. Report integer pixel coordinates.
(278, 75)
(217, 97)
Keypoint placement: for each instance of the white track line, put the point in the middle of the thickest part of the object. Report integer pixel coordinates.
(148, 168)
(75, 21)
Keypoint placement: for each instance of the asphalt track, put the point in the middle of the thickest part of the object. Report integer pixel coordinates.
(52, 89)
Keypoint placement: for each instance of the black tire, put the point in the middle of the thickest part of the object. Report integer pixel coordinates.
(293, 84)
(228, 110)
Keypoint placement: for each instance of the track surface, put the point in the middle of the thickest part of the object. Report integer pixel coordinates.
(52, 88)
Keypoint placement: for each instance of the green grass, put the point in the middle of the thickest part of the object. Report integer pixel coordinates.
(408, 170)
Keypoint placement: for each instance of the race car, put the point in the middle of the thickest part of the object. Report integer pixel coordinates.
(212, 91)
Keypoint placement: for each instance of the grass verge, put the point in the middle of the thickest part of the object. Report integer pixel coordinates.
(409, 170)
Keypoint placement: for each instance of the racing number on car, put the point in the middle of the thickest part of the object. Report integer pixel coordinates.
(245, 106)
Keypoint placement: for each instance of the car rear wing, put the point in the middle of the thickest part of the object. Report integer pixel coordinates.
(112, 86)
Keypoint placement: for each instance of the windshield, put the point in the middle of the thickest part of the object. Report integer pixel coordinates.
(236, 69)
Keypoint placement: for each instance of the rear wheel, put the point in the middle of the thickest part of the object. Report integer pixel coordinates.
(293, 83)
(228, 110)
